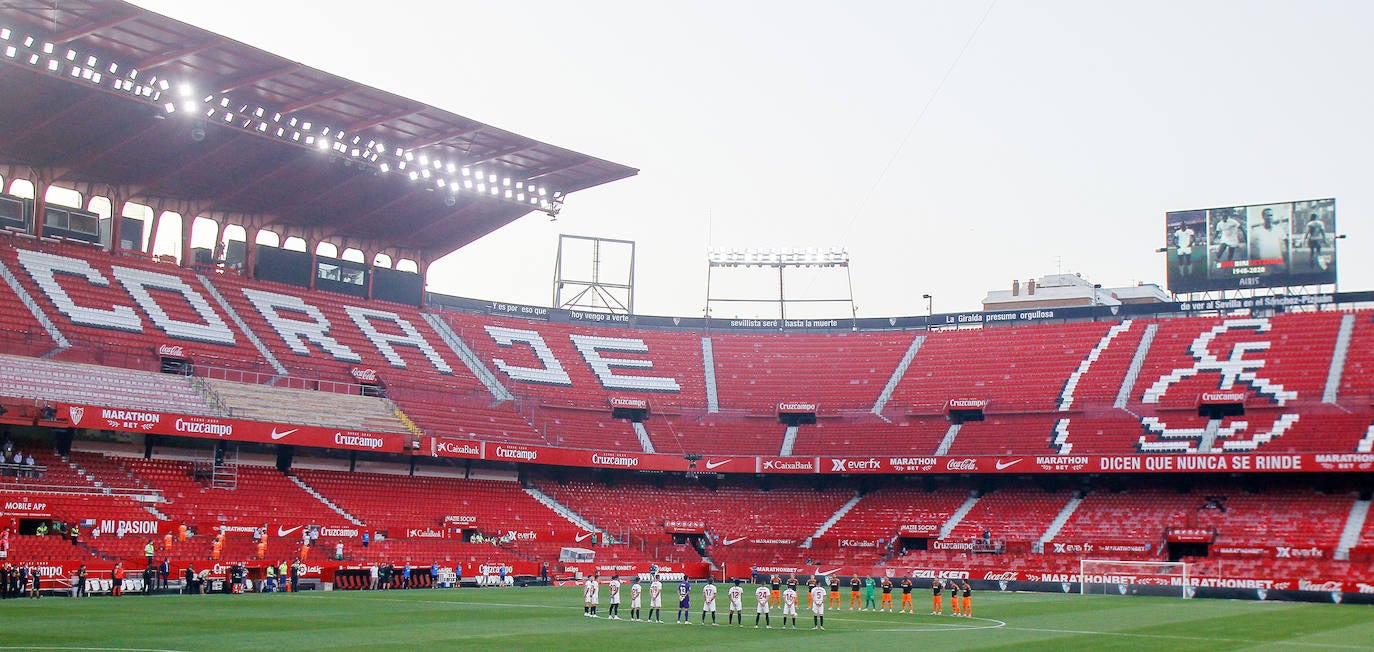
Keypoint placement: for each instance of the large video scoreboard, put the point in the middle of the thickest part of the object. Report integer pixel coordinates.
(1265, 245)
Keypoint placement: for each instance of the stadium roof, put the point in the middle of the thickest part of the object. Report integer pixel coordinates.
(104, 92)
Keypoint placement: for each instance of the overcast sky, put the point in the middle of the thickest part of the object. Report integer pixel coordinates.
(949, 146)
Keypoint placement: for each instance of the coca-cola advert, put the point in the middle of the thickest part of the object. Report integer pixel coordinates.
(363, 374)
(172, 351)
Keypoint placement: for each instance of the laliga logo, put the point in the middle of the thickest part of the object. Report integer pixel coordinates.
(1234, 370)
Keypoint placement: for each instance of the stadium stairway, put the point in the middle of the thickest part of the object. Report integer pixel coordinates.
(1058, 523)
(789, 441)
(328, 503)
(1066, 396)
(59, 340)
(708, 364)
(468, 357)
(948, 441)
(1354, 525)
(834, 518)
(958, 515)
(643, 435)
(1209, 436)
(886, 395)
(110, 477)
(566, 512)
(1142, 351)
(1337, 368)
(243, 327)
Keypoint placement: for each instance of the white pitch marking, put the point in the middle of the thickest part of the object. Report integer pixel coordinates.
(86, 649)
(1190, 638)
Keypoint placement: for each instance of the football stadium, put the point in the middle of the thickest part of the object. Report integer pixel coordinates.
(284, 439)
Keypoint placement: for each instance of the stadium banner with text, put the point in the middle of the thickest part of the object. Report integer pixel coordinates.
(938, 320)
(1107, 547)
(460, 448)
(1272, 552)
(1263, 245)
(938, 464)
(227, 428)
(637, 461)
(278, 530)
(1135, 463)
(25, 507)
(59, 574)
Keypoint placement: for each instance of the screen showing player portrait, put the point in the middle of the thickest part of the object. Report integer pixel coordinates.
(1264, 245)
(1186, 234)
(1312, 243)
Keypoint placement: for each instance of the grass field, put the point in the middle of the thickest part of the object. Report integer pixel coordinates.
(550, 619)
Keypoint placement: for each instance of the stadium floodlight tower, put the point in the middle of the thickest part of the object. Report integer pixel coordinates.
(832, 259)
(579, 272)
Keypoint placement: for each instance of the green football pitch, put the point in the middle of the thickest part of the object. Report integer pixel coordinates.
(550, 619)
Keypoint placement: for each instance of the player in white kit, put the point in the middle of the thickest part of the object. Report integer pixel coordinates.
(817, 607)
(789, 606)
(613, 587)
(1228, 231)
(655, 601)
(1183, 240)
(765, 597)
(736, 594)
(1269, 239)
(635, 591)
(591, 596)
(708, 602)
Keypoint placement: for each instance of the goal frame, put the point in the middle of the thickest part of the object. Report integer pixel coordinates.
(1184, 572)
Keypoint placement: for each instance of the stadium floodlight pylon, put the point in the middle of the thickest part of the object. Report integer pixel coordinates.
(834, 259)
(1123, 577)
(582, 284)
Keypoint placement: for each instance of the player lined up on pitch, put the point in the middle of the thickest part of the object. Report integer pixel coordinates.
(815, 595)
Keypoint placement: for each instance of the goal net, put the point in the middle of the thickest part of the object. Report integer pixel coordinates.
(1116, 577)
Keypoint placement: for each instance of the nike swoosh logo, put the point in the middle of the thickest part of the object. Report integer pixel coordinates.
(731, 542)
(281, 531)
(829, 572)
(715, 465)
(584, 536)
(278, 435)
(1002, 465)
